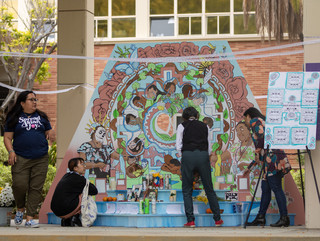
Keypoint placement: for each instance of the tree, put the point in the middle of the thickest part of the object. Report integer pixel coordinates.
(277, 17)
(39, 24)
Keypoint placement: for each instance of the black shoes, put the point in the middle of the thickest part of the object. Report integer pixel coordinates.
(284, 221)
(71, 222)
(76, 221)
(65, 222)
(259, 220)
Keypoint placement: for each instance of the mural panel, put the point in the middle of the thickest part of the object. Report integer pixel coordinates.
(129, 128)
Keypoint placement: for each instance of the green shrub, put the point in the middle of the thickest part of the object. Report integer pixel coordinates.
(3, 151)
(5, 176)
(50, 177)
(53, 154)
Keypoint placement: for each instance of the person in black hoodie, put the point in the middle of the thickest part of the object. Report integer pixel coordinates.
(66, 200)
(193, 143)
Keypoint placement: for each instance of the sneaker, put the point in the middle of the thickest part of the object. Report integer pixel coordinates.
(31, 224)
(190, 224)
(219, 223)
(18, 218)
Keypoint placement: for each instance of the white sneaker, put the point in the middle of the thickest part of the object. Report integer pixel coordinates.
(31, 224)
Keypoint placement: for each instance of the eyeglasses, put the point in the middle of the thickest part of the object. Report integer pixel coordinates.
(33, 99)
(83, 164)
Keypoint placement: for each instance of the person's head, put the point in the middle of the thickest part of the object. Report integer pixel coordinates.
(99, 134)
(131, 119)
(27, 101)
(78, 165)
(138, 102)
(252, 113)
(170, 88)
(243, 131)
(187, 91)
(152, 92)
(135, 145)
(190, 112)
(132, 160)
(208, 120)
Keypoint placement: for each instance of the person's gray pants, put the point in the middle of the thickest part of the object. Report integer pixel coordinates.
(191, 162)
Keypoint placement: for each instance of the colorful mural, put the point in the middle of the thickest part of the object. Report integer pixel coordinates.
(129, 127)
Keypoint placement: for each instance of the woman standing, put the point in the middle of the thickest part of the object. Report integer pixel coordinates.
(192, 141)
(26, 132)
(276, 167)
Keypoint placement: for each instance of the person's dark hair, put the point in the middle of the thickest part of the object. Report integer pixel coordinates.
(128, 117)
(74, 162)
(168, 85)
(254, 113)
(190, 112)
(155, 88)
(14, 113)
(187, 91)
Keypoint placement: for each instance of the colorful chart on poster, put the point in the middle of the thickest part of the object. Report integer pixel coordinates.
(292, 106)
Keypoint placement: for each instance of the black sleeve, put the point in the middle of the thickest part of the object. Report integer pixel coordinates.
(92, 189)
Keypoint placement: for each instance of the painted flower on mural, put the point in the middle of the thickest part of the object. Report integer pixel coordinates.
(166, 50)
(205, 50)
(223, 70)
(146, 52)
(99, 109)
(188, 49)
(237, 88)
(239, 107)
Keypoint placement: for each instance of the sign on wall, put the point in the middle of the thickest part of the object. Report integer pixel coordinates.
(292, 106)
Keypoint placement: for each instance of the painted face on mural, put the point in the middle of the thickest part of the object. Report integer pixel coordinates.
(151, 93)
(100, 134)
(243, 132)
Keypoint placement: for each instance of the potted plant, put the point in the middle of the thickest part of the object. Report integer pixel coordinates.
(6, 204)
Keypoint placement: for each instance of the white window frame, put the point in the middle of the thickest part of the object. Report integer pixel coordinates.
(143, 24)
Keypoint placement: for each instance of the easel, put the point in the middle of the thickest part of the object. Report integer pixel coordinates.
(261, 171)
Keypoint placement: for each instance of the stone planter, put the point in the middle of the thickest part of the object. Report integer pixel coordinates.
(5, 216)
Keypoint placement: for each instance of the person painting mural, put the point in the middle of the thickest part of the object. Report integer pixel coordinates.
(193, 145)
(276, 167)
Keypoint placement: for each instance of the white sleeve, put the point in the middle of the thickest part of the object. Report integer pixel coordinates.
(179, 138)
(209, 141)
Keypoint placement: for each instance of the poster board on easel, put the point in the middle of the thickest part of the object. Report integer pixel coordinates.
(292, 106)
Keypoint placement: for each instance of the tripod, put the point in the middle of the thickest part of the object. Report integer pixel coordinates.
(255, 191)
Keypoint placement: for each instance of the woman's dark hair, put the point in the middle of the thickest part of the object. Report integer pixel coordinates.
(74, 163)
(254, 113)
(190, 112)
(15, 111)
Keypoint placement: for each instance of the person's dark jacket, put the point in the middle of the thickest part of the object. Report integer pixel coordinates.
(66, 196)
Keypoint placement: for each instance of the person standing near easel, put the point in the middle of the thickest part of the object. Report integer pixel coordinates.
(276, 166)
